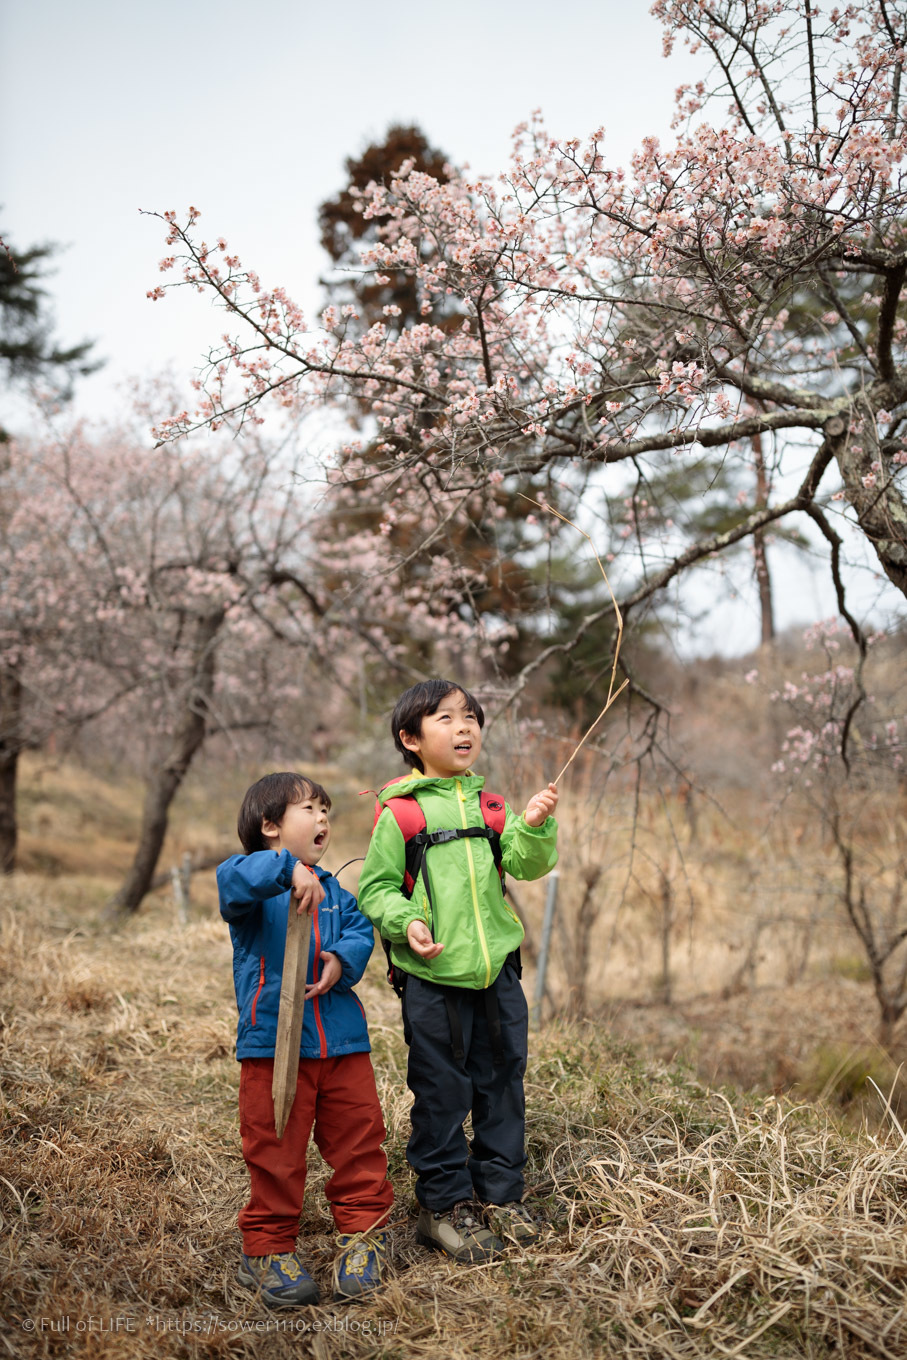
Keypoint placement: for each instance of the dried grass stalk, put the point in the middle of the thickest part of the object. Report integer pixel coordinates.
(612, 693)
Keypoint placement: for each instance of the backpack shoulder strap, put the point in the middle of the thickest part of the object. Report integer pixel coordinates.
(494, 812)
(411, 820)
(407, 814)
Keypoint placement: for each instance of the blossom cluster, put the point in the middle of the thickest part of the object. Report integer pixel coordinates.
(835, 715)
(572, 310)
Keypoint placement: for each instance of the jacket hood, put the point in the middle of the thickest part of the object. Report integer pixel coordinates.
(419, 783)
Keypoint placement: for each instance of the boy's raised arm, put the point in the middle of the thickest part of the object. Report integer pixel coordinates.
(245, 880)
(529, 842)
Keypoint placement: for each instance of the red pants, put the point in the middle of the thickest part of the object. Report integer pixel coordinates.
(338, 1096)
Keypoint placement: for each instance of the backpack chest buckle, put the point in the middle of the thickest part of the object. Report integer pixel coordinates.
(441, 837)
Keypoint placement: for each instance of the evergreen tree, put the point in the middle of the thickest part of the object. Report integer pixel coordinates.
(479, 572)
(28, 347)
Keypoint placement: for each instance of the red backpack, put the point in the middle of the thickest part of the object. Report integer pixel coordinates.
(411, 820)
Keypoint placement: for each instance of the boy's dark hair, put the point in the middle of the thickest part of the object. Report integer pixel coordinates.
(417, 703)
(269, 799)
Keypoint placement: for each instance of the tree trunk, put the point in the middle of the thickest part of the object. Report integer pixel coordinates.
(10, 746)
(166, 778)
(889, 1015)
(873, 492)
(763, 579)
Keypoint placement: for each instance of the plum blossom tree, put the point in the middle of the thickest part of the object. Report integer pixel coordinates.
(843, 753)
(41, 627)
(478, 574)
(344, 228)
(624, 319)
(177, 588)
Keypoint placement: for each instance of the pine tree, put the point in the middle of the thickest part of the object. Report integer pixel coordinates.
(28, 348)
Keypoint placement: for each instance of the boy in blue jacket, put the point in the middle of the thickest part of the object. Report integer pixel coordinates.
(284, 829)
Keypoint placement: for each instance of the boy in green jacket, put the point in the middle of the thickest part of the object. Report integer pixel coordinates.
(454, 945)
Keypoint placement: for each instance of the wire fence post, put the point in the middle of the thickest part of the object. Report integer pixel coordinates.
(181, 882)
(547, 925)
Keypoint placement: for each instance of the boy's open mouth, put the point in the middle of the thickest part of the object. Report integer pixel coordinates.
(464, 747)
(320, 838)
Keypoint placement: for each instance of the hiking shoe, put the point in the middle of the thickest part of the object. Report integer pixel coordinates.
(515, 1222)
(459, 1232)
(357, 1269)
(282, 1280)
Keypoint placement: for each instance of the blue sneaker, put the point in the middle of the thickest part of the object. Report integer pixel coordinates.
(282, 1281)
(358, 1267)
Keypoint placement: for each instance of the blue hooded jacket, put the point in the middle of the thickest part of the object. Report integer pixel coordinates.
(255, 901)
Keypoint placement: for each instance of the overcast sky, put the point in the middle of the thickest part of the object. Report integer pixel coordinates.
(249, 111)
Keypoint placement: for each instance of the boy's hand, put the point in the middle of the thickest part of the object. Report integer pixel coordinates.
(419, 938)
(331, 969)
(306, 888)
(541, 806)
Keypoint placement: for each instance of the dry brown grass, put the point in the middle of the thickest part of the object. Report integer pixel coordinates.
(686, 1223)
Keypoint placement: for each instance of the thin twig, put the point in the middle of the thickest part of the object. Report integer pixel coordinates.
(611, 699)
(612, 693)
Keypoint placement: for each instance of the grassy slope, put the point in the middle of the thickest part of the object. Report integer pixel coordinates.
(686, 1222)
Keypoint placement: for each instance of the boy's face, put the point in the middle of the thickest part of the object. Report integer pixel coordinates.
(450, 739)
(303, 830)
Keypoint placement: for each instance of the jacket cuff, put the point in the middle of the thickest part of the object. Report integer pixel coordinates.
(549, 825)
(288, 863)
(399, 936)
(349, 974)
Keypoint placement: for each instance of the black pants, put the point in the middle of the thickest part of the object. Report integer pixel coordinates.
(490, 1168)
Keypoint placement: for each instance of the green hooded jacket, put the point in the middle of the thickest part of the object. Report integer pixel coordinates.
(468, 913)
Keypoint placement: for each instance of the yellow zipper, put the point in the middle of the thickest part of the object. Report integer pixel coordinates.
(475, 891)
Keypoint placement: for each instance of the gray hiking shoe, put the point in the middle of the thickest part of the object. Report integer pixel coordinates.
(459, 1232)
(359, 1266)
(515, 1222)
(281, 1279)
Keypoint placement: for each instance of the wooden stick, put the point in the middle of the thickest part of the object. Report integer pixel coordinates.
(289, 1014)
(611, 699)
(612, 694)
